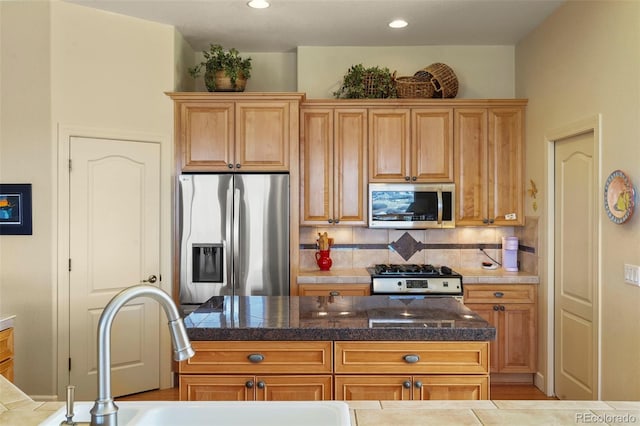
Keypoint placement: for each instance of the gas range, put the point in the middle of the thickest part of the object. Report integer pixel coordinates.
(426, 280)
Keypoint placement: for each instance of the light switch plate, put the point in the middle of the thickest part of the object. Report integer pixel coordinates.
(632, 274)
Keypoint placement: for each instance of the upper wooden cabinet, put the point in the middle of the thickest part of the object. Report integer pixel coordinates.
(333, 158)
(237, 132)
(489, 166)
(411, 145)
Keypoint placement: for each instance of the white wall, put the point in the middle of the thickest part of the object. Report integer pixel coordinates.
(580, 62)
(69, 66)
(482, 71)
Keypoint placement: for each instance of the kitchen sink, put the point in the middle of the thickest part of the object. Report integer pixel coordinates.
(220, 413)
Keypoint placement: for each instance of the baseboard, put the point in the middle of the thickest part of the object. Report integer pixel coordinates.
(539, 382)
(512, 378)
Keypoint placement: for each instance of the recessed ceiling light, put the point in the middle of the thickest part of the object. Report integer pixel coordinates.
(258, 4)
(398, 23)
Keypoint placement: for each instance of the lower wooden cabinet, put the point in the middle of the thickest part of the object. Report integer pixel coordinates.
(6, 353)
(404, 388)
(341, 370)
(334, 289)
(511, 309)
(255, 388)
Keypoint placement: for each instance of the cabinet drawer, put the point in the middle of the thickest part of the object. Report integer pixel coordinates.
(412, 357)
(259, 357)
(491, 293)
(6, 344)
(6, 369)
(334, 289)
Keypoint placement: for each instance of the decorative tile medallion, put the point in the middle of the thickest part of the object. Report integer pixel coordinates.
(406, 246)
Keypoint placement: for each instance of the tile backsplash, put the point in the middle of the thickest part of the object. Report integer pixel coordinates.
(356, 247)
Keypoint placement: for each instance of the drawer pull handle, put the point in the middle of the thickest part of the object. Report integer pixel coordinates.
(498, 294)
(334, 293)
(411, 358)
(406, 384)
(256, 358)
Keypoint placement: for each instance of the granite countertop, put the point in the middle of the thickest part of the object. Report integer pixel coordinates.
(336, 318)
(6, 321)
(469, 276)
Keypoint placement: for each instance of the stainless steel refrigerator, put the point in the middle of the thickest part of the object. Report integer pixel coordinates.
(234, 236)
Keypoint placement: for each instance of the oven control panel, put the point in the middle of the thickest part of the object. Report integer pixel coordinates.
(438, 285)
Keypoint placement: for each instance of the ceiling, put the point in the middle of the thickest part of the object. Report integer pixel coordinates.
(291, 23)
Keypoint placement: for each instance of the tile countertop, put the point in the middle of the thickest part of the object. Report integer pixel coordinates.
(17, 409)
(6, 321)
(336, 318)
(470, 276)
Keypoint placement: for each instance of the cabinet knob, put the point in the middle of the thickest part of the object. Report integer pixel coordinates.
(336, 221)
(406, 384)
(249, 384)
(261, 384)
(418, 384)
(230, 166)
(496, 307)
(255, 358)
(413, 178)
(407, 178)
(502, 307)
(334, 293)
(485, 220)
(411, 358)
(330, 221)
(238, 165)
(491, 220)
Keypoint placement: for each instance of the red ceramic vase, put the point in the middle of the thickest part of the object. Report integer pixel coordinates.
(323, 260)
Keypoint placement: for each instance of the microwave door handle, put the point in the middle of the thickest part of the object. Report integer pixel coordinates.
(440, 208)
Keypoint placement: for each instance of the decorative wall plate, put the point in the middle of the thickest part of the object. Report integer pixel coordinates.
(619, 197)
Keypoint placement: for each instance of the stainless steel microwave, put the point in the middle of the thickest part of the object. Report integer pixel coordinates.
(412, 206)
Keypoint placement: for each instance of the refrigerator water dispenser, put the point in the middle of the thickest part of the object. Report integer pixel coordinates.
(207, 263)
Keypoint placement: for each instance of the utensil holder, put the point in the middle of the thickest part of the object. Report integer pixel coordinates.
(323, 260)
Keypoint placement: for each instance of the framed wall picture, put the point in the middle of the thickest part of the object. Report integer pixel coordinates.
(15, 209)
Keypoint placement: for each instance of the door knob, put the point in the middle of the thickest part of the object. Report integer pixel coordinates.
(152, 279)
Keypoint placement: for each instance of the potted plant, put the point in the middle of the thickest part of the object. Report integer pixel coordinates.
(224, 70)
(372, 82)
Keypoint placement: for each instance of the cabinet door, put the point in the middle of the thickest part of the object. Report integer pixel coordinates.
(350, 167)
(385, 388)
(262, 136)
(316, 160)
(488, 312)
(505, 164)
(334, 289)
(450, 387)
(217, 388)
(206, 136)
(294, 388)
(518, 325)
(389, 132)
(6, 369)
(432, 145)
(471, 166)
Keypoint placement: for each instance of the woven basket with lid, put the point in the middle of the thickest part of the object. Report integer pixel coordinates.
(443, 78)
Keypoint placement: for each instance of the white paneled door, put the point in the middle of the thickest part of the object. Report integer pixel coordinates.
(576, 297)
(113, 243)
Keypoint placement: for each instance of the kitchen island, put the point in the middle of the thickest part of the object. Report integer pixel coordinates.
(342, 347)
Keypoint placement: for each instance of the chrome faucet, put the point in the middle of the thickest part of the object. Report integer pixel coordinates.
(105, 411)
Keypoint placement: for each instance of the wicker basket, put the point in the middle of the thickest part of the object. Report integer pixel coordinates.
(414, 87)
(444, 80)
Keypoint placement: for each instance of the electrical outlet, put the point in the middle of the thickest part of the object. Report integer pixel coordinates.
(632, 274)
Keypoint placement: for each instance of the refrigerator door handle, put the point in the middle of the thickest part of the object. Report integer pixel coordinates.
(236, 238)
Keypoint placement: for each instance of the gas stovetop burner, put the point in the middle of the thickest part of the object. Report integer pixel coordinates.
(411, 269)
